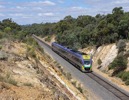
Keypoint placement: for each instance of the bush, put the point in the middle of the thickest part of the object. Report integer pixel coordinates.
(68, 75)
(127, 82)
(9, 80)
(0, 47)
(120, 74)
(28, 84)
(99, 61)
(125, 76)
(1, 78)
(1, 35)
(7, 29)
(74, 83)
(119, 64)
(30, 41)
(121, 46)
(127, 54)
(40, 49)
(3, 55)
(48, 39)
(31, 52)
(80, 89)
(12, 81)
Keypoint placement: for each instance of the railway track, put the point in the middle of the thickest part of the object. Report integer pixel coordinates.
(110, 87)
(118, 92)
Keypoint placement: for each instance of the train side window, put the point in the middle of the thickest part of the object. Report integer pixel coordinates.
(76, 59)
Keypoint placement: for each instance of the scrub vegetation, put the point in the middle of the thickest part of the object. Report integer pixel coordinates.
(85, 29)
(76, 33)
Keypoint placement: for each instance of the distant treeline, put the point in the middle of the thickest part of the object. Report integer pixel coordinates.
(85, 30)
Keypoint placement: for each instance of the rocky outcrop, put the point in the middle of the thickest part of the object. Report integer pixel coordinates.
(106, 54)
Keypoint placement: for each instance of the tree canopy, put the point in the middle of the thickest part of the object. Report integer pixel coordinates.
(85, 29)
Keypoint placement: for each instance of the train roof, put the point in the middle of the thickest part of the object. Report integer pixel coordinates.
(75, 52)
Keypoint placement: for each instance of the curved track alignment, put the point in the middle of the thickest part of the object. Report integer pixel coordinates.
(117, 91)
(110, 87)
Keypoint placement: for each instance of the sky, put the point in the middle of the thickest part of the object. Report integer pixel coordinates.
(41, 11)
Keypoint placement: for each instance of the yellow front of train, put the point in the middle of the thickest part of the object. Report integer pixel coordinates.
(87, 63)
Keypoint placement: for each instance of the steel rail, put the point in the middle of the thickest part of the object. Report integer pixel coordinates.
(118, 92)
(109, 86)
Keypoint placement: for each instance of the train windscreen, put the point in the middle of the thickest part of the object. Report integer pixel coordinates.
(86, 62)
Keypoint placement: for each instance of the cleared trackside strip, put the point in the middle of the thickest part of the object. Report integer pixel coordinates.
(117, 92)
(88, 82)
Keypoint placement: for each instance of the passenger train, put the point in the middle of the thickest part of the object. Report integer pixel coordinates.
(81, 60)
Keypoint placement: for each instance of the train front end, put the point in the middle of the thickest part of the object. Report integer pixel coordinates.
(87, 63)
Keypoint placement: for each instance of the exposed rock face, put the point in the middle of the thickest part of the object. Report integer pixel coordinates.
(107, 54)
(24, 78)
(20, 78)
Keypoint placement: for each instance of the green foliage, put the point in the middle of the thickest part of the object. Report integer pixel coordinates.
(1, 78)
(74, 83)
(32, 46)
(21, 36)
(12, 81)
(119, 64)
(85, 30)
(99, 61)
(127, 82)
(68, 75)
(1, 35)
(80, 89)
(8, 79)
(48, 39)
(31, 52)
(120, 74)
(3, 55)
(8, 25)
(127, 54)
(0, 47)
(28, 84)
(7, 29)
(124, 76)
(121, 46)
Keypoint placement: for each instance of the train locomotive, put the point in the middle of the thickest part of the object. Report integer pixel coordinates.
(81, 60)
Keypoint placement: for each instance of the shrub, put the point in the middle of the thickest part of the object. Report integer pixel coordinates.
(125, 76)
(127, 82)
(8, 79)
(1, 78)
(28, 84)
(40, 49)
(119, 64)
(99, 61)
(1, 35)
(12, 81)
(31, 52)
(0, 47)
(80, 89)
(3, 55)
(68, 75)
(127, 54)
(7, 29)
(121, 45)
(74, 83)
(120, 74)
(113, 64)
(48, 39)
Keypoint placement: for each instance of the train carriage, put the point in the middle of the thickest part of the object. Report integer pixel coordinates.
(79, 59)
